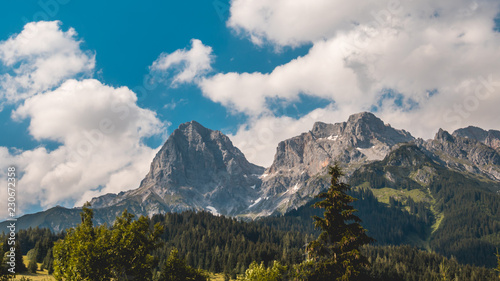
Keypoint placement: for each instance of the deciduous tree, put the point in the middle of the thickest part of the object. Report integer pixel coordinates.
(91, 252)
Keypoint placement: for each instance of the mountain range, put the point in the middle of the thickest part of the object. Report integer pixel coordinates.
(200, 169)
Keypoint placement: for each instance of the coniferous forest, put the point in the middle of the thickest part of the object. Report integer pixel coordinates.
(219, 244)
(188, 245)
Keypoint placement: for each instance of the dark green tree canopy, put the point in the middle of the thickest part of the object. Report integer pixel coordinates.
(91, 252)
(336, 253)
(176, 269)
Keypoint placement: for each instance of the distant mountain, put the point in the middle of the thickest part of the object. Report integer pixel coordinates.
(300, 164)
(491, 138)
(200, 169)
(463, 154)
(411, 198)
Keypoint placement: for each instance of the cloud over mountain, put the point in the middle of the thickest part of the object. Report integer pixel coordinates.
(99, 131)
(435, 62)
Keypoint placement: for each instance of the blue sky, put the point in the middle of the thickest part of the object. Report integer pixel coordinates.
(258, 71)
(128, 38)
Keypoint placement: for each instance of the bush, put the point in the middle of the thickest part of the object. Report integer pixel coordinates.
(258, 272)
(32, 266)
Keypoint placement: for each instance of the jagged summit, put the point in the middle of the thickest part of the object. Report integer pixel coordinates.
(444, 136)
(200, 169)
(461, 151)
(491, 138)
(299, 160)
(197, 168)
(365, 115)
(472, 132)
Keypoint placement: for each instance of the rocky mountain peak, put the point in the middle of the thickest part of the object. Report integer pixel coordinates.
(366, 130)
(197, 168)
(324, 130)
(443, 135)
(299, 163)
(200, 169)
(491, 138)
(472, 132)
(366, 117)
(463, 152)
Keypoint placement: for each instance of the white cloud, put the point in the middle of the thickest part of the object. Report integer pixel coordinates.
(359, 50)
(292, 23)
(40, 58)
(322, 73)
(101, 131)
(100, 128)
(185, 66)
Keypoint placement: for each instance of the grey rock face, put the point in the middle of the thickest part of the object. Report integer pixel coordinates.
(197, 168)
(300, 165)
(200, 169)
(491, 138)
(464, 153)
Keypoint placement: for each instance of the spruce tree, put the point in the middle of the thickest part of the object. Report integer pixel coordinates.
(335, 255)
(176, 269)
(498, 264)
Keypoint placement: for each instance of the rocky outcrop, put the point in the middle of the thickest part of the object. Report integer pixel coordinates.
(490, 138)
(463, 151)
(300, 164)
(196, 168)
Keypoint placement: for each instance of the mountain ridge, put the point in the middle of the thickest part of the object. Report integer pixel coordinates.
(200, 169)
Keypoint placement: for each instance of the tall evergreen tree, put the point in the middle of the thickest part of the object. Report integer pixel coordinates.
(176, 269)
(335, 254)
(498, 264)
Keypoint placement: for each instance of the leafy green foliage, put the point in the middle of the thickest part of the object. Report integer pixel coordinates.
(336, 251)
(32, 266)
(48, 262)
(4, 274)
(20, 267)
(388, 262)
(176, 269)
(132, 242)
(83, 254)
(259, 272)
(91, 252)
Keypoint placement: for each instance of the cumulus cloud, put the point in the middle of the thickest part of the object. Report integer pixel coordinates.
(101, 130)
(320, 73)
(292, 23)
(185, 66)
(40, 58)
(439, 59)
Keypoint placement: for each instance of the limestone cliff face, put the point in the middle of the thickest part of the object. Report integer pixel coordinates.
(490, 138)
(196, 168)
(300, 164)
(464, 151)
(200, 169)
